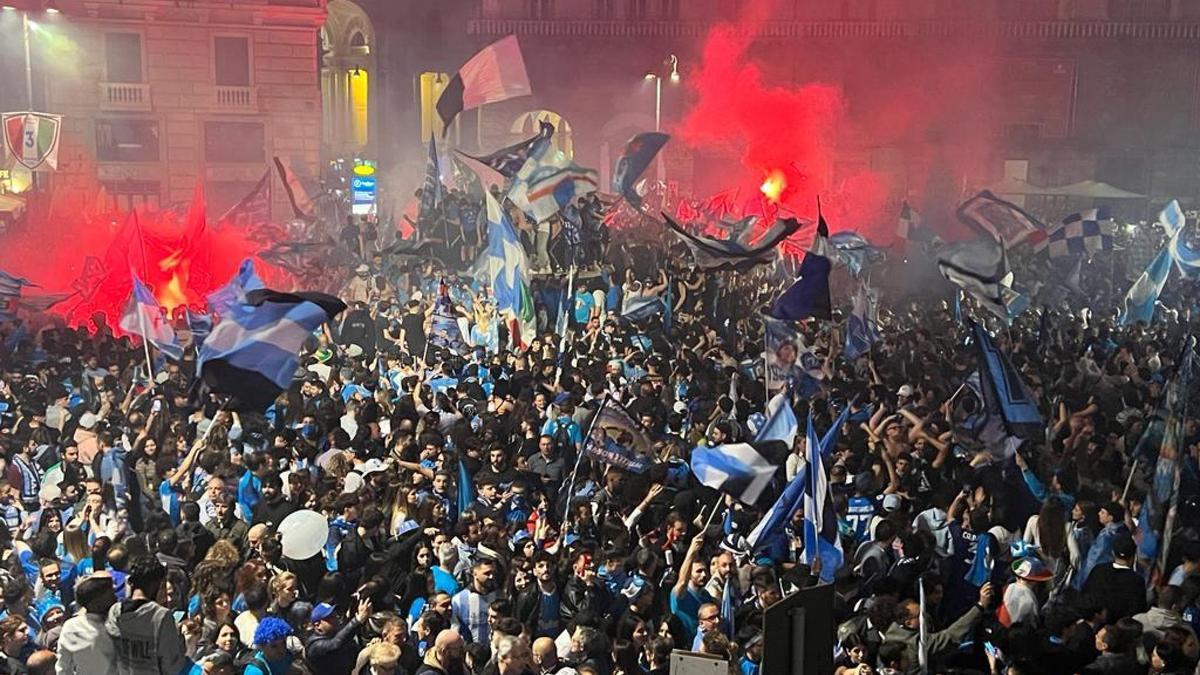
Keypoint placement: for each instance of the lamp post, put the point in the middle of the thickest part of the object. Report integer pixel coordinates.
(673, 60)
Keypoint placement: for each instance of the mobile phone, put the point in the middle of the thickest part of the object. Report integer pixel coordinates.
(993, 651)
(156, 406)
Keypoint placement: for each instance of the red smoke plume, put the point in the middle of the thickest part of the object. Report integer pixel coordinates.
(181, 259)
(796, 122)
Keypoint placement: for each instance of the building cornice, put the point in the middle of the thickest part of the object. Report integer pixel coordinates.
(786, 30)
(296, 14)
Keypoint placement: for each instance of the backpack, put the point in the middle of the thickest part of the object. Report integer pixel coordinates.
(562, 437)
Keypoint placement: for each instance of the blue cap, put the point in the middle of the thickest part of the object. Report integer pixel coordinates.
(320, 612)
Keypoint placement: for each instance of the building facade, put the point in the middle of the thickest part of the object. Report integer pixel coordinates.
(157, 94)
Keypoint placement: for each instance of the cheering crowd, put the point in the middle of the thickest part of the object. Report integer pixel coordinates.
(471, 520)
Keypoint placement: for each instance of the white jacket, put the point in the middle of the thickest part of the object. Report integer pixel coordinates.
(84, 647)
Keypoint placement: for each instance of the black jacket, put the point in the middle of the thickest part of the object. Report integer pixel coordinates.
(528, 610)
(334, 654)
(578, 596)
(270, 514)
(1121, 591)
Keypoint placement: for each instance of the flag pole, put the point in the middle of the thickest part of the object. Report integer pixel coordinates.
(587, 438)
(142, 325)
(566, 306)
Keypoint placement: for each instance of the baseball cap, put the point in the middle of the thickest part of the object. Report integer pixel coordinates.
(320, 612)
(891, 502)
(1031, 568)
(373, 465)
(905, 390)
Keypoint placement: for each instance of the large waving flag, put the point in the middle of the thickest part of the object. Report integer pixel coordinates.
(741, 470)
(1142, 296)
(431, 189)
(506, 270)
(253, 352)
(639, 152)
(1004, 391)
(234, 293)
(301, 193)
(495, 74)
(253, 210)
(981, 269)
(854, 251)
(735, 254)
(781, 424)
(145, 318)
(821, 538)
(508, 161)
(808, 296)
(1171, 218)
(1001, 220)
(466, 488)
(1080, 234)
(549, 181)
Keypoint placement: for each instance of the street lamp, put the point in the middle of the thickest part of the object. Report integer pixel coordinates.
(657, 79)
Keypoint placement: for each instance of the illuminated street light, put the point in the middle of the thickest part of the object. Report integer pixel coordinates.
(658, 80)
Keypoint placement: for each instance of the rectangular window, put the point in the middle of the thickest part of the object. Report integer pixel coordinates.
(234, 142)
(123, 57)
(231, 57)
(127, 195)
(125, 140)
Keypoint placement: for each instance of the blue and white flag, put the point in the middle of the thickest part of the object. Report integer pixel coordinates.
(1080, 234)
(728, 609)
(145, 318)
(639, 152)
(821, 539)
(741, 470)
(1004, 391)
(431, 189)
(862, 328)
(1171, 218)
(781, 423)
(233, 293)
(505, 268)
(1140, 300)
(466, 488)
(1187, 259)
(253, 353)
(854, 251)
(548, 182)
(640, 307)
(199, 323)
(771, 526)
(981, 269)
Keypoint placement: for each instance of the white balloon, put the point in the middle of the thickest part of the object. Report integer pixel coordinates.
(303, 534)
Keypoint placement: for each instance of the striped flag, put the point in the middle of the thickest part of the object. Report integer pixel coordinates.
(781, 423)
(981, 269)
(497, 73)
(253, 352)
(549, 181)
(909, 227)
(504, 267)
(741, 470)
(233, 293)
(508, 161)
(143, 317)
(1079, 234)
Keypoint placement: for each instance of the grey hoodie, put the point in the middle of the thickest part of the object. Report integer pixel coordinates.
(146, 639)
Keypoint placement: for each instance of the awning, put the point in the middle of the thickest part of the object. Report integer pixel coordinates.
(11, 204)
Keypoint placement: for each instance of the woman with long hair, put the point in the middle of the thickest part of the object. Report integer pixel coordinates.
(1085, 523)
(285, 589)
(45, 542)
(226, 642)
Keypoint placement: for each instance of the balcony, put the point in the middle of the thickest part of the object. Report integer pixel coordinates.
(235, 99)
(124, 96)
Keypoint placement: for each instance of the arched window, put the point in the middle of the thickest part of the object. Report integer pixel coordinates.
(529, 123)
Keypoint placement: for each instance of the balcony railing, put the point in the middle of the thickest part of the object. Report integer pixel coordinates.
(235, 98)
(1181, 31)
(124, 96)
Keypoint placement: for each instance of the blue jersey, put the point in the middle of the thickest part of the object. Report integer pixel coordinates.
(859, 512)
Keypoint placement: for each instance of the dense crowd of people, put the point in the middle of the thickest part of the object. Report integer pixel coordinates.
(470, 530)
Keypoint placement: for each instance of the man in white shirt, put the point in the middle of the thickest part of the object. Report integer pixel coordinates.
(1021, 598)
(84, 646)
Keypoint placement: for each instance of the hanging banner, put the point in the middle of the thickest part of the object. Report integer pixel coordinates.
(31, 139)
